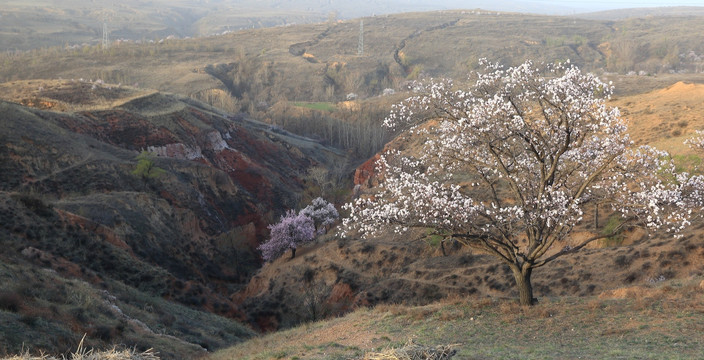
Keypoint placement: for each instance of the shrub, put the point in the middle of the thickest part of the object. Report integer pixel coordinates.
(10, 301)
(622, 261)
(146, 169)
(36, 205)
(612, 224)
(29, 320)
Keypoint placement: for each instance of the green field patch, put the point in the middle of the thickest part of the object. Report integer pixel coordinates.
(321, 106)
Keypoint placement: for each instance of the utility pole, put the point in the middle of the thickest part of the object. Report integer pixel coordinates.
(106, 36)
(360, 45)
(107, 17)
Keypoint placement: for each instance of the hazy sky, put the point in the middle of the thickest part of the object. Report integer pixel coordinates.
(552, 7)
(619, 4)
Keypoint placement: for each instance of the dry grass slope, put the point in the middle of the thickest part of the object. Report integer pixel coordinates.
(659, 320)
(665, 117)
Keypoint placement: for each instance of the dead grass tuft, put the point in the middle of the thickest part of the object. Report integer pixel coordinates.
(451, 314)
(420, 313)
(393, 309)
(413, 351)
(509, 308)
(90, 354)
(483, 302)
(113, 354)
(633, 292)
(540, 311)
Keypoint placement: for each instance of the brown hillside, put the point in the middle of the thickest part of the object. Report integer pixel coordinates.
(666, 117)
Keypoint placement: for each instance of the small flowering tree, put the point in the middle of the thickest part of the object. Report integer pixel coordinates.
(509, 165)
(293, 230)
(322, 212)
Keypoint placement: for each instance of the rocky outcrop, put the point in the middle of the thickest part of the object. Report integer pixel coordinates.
(367, 175)
(177, 151)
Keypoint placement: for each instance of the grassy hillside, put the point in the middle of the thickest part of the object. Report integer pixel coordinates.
(89, 246)
(48, 311)
(43, 23)
(38, 24)
(650, 321)
(665, 118)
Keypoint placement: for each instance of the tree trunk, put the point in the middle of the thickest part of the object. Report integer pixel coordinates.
(596, 217)
(293, 253)
(525, 289)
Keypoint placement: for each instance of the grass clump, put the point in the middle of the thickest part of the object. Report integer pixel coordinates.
(413, 351)
(689, 163)
(90, 354)
(611, 226)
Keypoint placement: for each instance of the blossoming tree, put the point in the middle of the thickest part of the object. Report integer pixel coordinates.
(293, 230)
(322, 212)
(509, 165)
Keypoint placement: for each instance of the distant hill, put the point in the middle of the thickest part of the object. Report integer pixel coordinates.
(621, 14)
(319, 62)
(44, 23)
(38, 24)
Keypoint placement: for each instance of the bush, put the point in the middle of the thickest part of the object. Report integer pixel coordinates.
(35, 204)
(10, 301)
(613, 223)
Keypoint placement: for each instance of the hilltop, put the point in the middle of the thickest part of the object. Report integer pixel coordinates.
(649, 12)
(665, 118)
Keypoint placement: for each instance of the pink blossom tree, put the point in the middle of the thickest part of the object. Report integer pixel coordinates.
(293, 230)
(510, 164)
